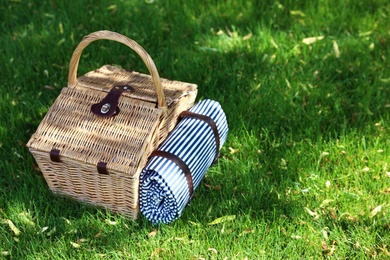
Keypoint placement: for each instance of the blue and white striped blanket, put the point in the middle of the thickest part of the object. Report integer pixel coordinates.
(164, 189)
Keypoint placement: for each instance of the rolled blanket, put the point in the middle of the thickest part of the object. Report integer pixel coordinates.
(175, 170)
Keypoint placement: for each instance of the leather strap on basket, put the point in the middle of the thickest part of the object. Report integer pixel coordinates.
(102, 168)
(210, 122)
(182, 165)
(55, 155)
(108, 106)
(113, 36)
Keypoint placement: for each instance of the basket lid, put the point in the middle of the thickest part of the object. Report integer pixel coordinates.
(108, 76)
(121, 142)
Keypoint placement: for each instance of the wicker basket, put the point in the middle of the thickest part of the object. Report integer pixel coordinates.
(97, 136)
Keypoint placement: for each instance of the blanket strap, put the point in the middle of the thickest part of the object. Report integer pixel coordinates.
(182, 165)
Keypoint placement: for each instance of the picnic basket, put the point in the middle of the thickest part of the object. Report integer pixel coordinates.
(97, 136)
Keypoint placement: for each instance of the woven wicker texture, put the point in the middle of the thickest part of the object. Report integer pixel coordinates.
(122, 142)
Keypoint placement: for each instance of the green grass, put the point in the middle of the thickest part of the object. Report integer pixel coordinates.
(306, 167)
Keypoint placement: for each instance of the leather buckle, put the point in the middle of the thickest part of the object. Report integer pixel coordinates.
(109, 105)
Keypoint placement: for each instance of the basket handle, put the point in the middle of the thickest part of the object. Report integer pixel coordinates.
(113, 36)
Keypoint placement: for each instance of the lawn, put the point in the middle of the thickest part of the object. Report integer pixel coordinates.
(305, 85)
